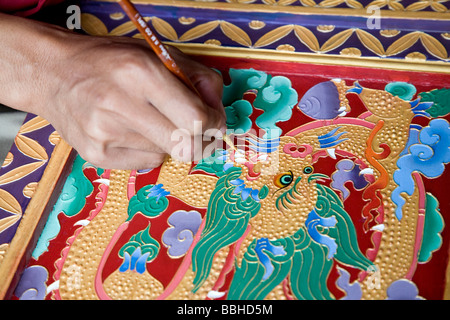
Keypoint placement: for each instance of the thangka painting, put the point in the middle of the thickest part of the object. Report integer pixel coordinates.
(335, 188)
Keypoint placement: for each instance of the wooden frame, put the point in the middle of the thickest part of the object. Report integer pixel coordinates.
(60, 161)
(34, 218)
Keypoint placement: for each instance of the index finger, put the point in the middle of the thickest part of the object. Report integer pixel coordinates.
(180, 104)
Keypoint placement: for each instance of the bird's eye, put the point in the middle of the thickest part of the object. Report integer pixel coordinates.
(308, 170)
(284, 179)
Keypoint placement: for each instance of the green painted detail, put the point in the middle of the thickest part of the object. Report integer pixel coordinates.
(274, 95)
(213, 164)
(348, 252)
(312, 268)
(226, 221)
(150, 201)
(263, 192)
(76, 188)
(70, 202)
(238, 116)
(276, 100)
(145, 242)
(243, 80)
(440, 99)
(305, 263)
(248, 280)
(434, 224)
(403, 90)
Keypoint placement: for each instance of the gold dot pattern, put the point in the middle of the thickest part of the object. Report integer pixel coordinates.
(81, 265)
(131, 285)
(397, 244)
(184, 289)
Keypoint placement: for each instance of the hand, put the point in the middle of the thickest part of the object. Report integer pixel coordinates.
(118, 105)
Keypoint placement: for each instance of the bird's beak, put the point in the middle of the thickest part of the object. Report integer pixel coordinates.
(317, 176)
(356, 89)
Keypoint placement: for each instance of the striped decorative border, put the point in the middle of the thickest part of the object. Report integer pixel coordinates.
(401, 6)
(29, 180)
(424, 40)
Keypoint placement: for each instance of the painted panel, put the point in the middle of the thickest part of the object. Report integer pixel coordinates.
(336, 190)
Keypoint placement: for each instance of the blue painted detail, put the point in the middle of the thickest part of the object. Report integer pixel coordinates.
(244, 191)
(357, 89)
(157, 191)
(313, 221)
(427, 153)
(331, 139)
(263, 145)
(262, 245)
(126, 263)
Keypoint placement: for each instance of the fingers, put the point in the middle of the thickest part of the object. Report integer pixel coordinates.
(135, 114)
(182, 106)
(128, 159)
(181, 144)
(142, 73)
(112, 131)
(136, 154)
(208, 82)
(135, 151)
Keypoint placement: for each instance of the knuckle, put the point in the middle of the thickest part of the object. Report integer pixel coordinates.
(99, 133)
(207, 77)
(132, 61)
(95, 156)
(101, 99)
(197, 115)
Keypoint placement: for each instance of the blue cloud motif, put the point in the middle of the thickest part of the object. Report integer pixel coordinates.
(427, 155)
(403, 289)
(32, 284)
(346, 171)
(179, 237)
(353, 290)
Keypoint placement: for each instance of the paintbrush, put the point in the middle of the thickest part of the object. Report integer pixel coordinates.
(160, 50)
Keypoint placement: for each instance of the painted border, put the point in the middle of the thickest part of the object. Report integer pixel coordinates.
(293, 9)
(405, 40)
(34, 218)
(271, 55)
